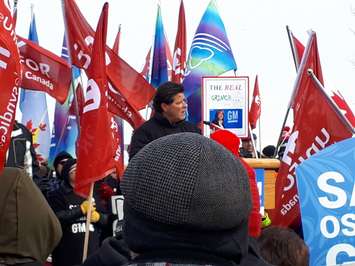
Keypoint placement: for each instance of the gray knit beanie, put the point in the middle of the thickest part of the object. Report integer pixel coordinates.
(188, 180)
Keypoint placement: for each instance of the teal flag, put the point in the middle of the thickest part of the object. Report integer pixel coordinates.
(210, 55)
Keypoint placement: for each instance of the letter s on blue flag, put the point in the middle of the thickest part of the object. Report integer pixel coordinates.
(326, 191)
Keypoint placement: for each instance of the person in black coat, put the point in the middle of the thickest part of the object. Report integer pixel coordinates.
(71, 210)
(170, 109)
(21, 153)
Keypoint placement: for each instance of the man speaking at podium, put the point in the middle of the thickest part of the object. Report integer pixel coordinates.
(170, 109)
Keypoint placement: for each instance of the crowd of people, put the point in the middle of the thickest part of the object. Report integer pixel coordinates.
(188, 200)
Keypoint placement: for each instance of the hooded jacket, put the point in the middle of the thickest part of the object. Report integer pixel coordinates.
(29, 230)
(232, 142)
(66, 205)
(21, 152)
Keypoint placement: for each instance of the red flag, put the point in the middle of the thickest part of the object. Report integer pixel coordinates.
(169, 58)
(299, 48)
(343, 106)
(43, 70)
(10, 76)
(311, 60)
(116, 44)
(255, 108)
(117, 139)
(80, 100)
(146, 67)
(337, 97)
(95, 151)
(179, 61)
(127, 83)
(316, 126)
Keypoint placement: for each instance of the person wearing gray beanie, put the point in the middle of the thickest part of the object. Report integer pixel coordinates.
(187, 202)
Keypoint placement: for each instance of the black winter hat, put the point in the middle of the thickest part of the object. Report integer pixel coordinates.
(269, 151)
(67, 167)
(187, 180)
(61, 156)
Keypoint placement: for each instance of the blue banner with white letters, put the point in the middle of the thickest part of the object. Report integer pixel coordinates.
(326, 188)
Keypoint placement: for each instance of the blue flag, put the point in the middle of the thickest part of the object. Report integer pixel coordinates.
(159, 73)
(326, 190)
(33, 105)
(210, 55)
(65, 128)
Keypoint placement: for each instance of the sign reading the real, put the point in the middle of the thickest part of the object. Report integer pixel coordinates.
(228, 95)
(326, 189)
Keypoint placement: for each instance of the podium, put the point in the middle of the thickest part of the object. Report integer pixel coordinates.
(270, 167)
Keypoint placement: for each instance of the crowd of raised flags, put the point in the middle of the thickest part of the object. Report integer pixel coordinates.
(116, 91)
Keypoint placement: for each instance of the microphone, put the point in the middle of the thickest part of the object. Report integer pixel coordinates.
(212, 125)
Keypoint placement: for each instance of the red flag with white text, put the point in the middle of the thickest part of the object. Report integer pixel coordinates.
(255, 108)
(10, 76)
(117, 139)
(316, 126)
(179, 59)
(43, 70)
(95, 151)
(125, 93)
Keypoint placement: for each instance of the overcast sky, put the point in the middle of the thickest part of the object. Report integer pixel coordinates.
(256, 31)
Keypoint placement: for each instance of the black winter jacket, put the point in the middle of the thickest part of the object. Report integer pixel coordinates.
(21, 153)
(66, 205)
(156, 127)
(114, 252)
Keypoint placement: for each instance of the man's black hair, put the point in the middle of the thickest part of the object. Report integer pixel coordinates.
(165, 94)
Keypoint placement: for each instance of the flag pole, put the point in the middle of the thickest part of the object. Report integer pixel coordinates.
(70, 63)
(330, 100)
(14, 13)
(259, 123)
(253, 142)
(88, 214)
(293, 49)
(298, 77)
(87, 226)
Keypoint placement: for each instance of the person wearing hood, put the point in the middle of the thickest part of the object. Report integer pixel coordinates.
(187, 202)
(71, 210)
(232, 142)
(21, 152)
(56, 178)
(29, 229)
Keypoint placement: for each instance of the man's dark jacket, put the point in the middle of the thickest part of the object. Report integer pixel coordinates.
(156, 127)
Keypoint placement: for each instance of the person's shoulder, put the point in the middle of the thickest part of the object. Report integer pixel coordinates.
(192, 127)
(145, 127)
